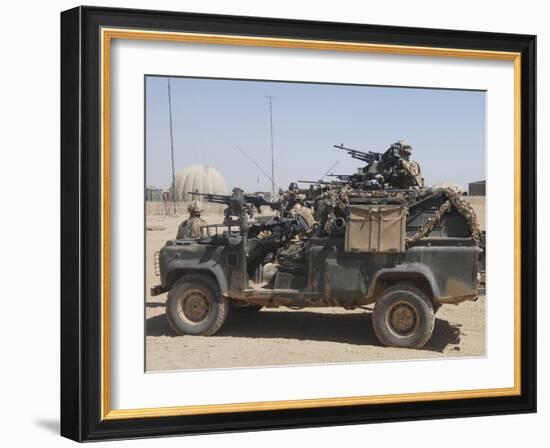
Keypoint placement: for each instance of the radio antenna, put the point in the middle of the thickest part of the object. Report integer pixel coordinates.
(172, 147)
(270, 98)
(238, 148)
(330, 169)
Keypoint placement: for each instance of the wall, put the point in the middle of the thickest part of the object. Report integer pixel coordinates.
(29, 104)
(161, 208)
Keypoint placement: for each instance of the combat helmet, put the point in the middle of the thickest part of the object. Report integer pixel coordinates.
(293, 187)
(195, 208)
(404, 148)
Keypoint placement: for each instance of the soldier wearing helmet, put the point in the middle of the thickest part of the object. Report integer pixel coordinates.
(407, 173)
(293, 187)
(405, 149)
(192, 226)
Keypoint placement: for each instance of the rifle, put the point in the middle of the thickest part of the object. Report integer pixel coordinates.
(367, 157)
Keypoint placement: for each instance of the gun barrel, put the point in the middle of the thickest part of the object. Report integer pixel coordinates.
(232, 200)
(215, 198)
(356, 154)
(341, 176)
(319, 182)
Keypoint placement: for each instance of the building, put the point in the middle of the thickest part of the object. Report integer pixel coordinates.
(200, 179)
(153, 194)
(476, 188)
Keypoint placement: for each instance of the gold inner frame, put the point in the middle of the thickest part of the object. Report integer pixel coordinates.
(107, 35)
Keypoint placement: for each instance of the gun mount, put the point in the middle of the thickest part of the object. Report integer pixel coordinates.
(388, 170)
(240, 206)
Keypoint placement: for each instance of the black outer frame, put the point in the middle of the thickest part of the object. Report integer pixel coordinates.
(81, 208)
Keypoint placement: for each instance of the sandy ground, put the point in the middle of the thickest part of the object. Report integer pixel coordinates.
(478, 204)
(287, 337)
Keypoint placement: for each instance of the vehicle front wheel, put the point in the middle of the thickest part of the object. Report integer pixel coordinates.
(196, 307)
(403, 317)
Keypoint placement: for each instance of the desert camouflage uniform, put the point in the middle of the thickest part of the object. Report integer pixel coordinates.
(307, 214)
(408, 173)
(411, 176)
(293, 256)
(192, 227)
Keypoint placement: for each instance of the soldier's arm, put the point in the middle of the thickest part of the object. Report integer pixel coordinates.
(410, 166)
(413, 169)
(402, 163)
(201, 224)
(179, 235)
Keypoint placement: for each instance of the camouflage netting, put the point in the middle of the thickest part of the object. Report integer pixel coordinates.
(465, 209)
(339, 198)
(468, 212)
(429, 225)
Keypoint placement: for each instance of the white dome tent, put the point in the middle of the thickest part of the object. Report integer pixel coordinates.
(198, 178)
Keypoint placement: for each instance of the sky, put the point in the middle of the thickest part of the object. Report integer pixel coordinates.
(212, 117)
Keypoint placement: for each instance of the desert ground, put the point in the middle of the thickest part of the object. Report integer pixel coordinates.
(282, 336)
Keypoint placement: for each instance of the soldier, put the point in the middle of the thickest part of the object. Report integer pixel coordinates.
(191, 227)
(307, 219)
(406, 173)
(290, 197)
(293, 255)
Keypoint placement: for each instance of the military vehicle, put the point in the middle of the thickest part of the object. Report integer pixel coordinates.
(405, 251)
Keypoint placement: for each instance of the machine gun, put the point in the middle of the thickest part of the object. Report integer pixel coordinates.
(262, 236)
(333, 183)
(347, 179)
(239, 202)
(367, 157)
(239, 205)
(383, 170)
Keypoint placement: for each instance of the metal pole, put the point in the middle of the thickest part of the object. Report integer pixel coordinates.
(272, 154)
(172, 147)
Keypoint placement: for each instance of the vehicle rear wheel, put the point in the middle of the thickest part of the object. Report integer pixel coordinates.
(403, 317)
(195, 307)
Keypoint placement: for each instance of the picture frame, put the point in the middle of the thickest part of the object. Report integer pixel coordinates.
(86, 175)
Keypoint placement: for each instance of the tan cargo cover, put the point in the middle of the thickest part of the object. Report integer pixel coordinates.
(376, 228)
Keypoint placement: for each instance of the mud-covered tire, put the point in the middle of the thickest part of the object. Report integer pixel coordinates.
(403, 317)
(196, 307)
